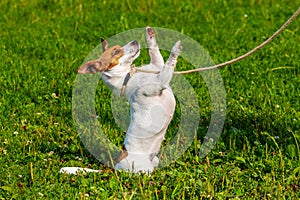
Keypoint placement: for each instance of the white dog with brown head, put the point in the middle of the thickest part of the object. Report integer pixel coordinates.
(151, 99)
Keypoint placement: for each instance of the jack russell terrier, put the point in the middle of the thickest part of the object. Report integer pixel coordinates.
(151, 99)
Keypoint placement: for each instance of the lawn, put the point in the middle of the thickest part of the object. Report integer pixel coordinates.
(44, 42)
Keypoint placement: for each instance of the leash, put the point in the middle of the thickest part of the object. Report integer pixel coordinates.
(292, 18)
(136, 69)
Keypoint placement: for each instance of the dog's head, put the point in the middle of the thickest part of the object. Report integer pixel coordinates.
(112, 58)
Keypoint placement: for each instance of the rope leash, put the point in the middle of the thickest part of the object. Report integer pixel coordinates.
(136, 69)
(292, 18)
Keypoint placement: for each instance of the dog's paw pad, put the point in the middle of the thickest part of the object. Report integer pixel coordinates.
(178, 45)
(150, 32)
(177, 48)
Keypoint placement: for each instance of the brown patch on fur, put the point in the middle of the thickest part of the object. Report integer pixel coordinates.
(123, 155)
(107, 60)
(110, 57)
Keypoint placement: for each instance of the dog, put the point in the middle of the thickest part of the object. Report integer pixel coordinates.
(152, 102)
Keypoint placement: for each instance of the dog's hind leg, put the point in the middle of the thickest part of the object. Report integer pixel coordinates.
(166, 73)
(155, 56)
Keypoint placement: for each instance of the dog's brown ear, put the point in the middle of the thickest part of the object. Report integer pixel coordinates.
(104, 44)
(91, 67)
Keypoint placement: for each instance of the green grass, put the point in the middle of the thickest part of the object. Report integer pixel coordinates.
(44, 42)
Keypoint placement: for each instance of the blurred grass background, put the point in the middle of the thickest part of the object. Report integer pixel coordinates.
(44, 42)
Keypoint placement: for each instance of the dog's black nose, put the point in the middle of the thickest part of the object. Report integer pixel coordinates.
(134, 42)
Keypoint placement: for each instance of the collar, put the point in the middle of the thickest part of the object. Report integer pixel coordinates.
(127, 78)
(133, 69)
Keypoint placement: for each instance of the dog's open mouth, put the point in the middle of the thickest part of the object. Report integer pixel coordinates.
(136, 53)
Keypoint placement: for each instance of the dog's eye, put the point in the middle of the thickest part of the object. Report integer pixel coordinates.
(116, 52)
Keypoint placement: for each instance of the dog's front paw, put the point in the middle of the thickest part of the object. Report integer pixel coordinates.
(150, 33)
(176, 49)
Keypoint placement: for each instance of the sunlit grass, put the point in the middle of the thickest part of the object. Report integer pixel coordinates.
(44, 42)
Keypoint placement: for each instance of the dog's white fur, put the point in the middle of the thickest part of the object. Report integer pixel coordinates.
(152, 102)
